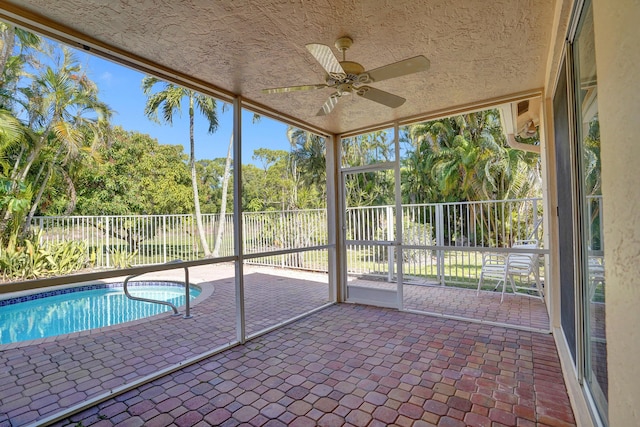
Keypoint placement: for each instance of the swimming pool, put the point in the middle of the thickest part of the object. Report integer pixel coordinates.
(64, 311)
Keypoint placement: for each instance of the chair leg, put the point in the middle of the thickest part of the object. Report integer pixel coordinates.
(539, 289)
(512, 282)
(480, 283)
(504, 287)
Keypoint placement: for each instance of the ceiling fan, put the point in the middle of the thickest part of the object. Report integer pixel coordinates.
(348, 77)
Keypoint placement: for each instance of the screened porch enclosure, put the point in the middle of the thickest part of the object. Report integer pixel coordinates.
(482, 55)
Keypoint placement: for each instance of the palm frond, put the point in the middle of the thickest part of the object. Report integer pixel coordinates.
(208, 108)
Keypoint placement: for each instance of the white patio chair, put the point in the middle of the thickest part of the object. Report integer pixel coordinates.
(505, 267)
(596, 274)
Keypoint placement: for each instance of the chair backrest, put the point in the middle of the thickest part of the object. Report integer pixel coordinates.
(523, 263)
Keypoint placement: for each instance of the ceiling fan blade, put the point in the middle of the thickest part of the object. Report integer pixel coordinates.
(380, 96)
(294, 88)
(326, 58)
(400, 68)
(329, 105)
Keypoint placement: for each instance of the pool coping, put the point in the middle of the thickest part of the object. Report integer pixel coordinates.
(206, 290)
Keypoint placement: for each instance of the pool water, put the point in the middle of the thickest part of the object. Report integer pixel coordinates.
(79, 309)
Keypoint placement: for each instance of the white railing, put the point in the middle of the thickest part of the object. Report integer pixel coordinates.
(595, 224)
(442, 243)
(285, 230)
(117, 240)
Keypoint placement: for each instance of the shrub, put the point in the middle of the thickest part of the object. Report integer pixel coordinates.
(31, 259)
(121, 258)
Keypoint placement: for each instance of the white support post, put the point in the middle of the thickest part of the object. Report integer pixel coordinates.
(341, 227)
(237, 218)
(106, 222)
(440, 242)
(281, 231)
(392, 249)
(535, 219)
(164, 238)
(333, 220)
(399, 219)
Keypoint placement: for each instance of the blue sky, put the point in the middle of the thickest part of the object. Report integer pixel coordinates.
(120, 88)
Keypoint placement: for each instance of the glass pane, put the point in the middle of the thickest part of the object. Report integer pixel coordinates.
(280, 287)
(102, 179)
(284, 209)
(370, 223)
(592, 214)
(368, 149)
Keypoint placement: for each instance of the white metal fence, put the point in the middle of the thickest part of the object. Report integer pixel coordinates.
(116, 240)
(113, 240)
(441, 242)
(284, 230)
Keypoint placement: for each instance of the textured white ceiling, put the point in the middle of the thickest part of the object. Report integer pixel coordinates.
(479, 49)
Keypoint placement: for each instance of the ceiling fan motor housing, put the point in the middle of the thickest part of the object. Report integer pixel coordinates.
(344, 43)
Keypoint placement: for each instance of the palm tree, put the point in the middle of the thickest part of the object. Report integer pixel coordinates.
(309, 156)
(225, 186)
(418, 185)
(223, 202)
(61, 104)
(169, 101)
(8, 36)
(63, 108)
(64, 105)
(466, 158)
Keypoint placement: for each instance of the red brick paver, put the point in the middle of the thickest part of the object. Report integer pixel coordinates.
(336, 355)
(516, 310)
(42, 377)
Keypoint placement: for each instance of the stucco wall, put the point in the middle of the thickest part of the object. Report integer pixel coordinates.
(618, 64)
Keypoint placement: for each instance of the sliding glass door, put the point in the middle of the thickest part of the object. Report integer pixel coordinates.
(590, 209)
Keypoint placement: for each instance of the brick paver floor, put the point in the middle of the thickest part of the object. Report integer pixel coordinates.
(356, 365)
(515, 310)
(38, 379)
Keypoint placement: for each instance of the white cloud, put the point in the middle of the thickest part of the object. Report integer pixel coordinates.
(106, 77)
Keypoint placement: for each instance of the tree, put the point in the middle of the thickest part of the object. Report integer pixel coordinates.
(10, 63)
(65, 116)
(169, 100)
(466, 158)
(226, 176)
(210, 182)
(74, 119)
(308, 157)
(137, 175)
(253, 188)
(276, 179)
(417, 183)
